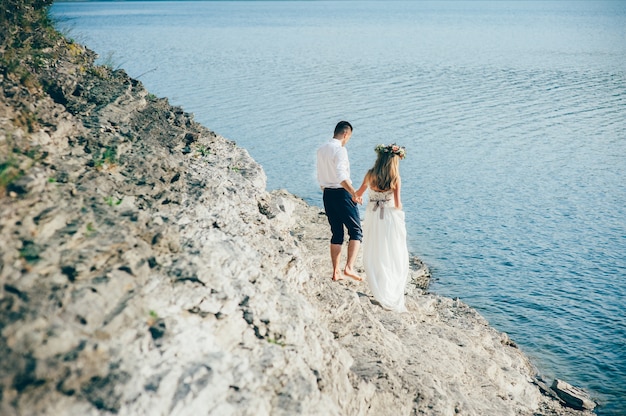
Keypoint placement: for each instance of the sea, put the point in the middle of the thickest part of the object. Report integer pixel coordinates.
(513, 114)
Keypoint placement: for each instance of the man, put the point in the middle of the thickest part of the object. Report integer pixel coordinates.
(340, 198)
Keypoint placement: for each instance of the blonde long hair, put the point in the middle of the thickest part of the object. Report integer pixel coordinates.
(385, 174)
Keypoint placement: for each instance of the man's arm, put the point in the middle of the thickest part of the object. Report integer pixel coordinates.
(347, 185)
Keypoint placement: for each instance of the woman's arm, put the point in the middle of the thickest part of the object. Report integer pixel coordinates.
(364, 186)
(396, 194)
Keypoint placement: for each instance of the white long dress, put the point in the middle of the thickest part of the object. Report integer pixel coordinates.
(385, 254)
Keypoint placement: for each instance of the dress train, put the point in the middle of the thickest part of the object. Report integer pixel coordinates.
(385, 254)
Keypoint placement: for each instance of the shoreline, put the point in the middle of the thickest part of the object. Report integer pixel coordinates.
(146, 269)
(313, 234)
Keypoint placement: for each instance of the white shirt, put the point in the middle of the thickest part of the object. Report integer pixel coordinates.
(333, 166)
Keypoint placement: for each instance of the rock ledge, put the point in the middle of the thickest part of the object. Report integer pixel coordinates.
(145, 269)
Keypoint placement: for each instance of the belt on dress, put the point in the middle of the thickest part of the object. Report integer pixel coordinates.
(380, 203)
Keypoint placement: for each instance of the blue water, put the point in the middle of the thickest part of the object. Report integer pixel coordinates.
(513, 114)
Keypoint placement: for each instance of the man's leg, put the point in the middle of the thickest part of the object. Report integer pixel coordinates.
(353, 223)
(335, 255)
(353, 250)
(336, 229)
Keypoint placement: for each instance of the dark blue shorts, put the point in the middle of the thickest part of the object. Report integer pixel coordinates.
(342, 211)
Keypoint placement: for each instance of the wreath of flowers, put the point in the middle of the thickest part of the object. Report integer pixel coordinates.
(391, 148)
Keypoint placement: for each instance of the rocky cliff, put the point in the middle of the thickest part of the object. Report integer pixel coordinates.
(145, 270)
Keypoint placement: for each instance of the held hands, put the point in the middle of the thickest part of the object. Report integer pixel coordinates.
(357, 198)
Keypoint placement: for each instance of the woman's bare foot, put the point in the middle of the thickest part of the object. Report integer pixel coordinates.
(337, 276)
(349, 272)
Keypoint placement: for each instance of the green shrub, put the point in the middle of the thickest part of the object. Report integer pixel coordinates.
(9, 171)
(108, 156)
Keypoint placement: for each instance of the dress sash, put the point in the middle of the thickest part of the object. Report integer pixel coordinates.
(380, 203)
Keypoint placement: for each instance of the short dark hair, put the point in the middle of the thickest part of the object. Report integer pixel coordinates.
(342, 127)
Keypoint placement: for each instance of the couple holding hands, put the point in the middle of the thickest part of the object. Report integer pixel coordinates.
(385, 254)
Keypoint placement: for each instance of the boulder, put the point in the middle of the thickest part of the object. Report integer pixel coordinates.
(573, 396)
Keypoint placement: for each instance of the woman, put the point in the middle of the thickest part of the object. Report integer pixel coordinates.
(385, 255)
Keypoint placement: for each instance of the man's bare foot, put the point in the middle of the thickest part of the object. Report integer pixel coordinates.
(349, 272)
(337, 276)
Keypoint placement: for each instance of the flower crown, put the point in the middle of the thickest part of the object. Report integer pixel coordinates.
(391, 148)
